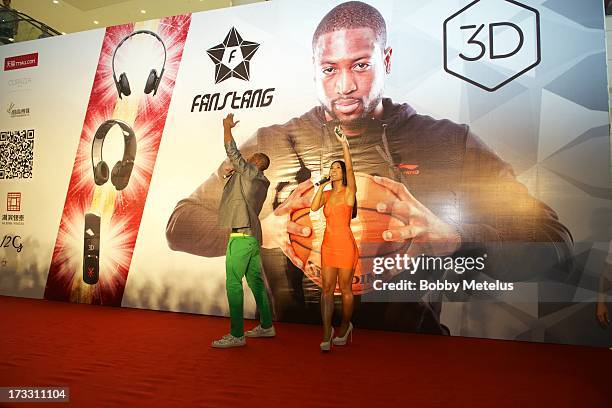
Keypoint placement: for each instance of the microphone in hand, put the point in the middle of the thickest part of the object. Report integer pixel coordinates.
(322, 181)
(229, 174)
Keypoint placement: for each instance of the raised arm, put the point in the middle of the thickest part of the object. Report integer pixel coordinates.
(193, 226)
(350, 174)
(237, 160)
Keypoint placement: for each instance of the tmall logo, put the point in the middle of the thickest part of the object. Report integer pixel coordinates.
(21, 61)
(489, 43)
(232, 57)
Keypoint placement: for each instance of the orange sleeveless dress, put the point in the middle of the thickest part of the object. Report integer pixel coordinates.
(338, 249)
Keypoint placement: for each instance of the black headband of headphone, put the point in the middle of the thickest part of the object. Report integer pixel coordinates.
(130, 36)
(129, 145)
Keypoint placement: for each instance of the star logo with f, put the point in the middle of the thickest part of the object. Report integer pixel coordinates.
(232, 57)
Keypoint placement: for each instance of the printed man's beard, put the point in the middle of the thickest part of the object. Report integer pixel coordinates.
(358, 122)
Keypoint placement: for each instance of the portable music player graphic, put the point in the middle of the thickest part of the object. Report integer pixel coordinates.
(91, 249)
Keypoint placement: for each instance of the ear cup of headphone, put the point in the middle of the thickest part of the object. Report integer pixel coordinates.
(120, 176)
(116, 176)
(124, 85)
(101, 173)
(151, 82)
(118, 86)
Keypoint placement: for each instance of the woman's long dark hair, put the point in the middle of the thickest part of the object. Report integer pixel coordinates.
(345, 182)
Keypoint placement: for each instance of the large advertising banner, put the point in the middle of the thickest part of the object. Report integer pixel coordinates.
(107, 215)
(481, 152)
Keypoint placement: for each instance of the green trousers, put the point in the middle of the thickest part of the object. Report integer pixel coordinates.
(243, 259)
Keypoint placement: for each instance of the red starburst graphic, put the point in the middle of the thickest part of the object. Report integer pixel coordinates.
(117, 244)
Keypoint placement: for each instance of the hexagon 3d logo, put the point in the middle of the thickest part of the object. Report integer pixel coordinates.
(489, 43)
(232, 57)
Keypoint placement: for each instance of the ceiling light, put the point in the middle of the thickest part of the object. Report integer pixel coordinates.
(55, 1)
(143, 11)
(63, 33)
(96, 22)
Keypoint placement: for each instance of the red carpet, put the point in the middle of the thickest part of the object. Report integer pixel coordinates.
(117, 357)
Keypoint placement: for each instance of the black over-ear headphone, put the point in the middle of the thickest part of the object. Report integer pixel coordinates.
(120, 176)
(122, 84)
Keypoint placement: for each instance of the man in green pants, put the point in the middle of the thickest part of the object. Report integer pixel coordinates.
(243, 196)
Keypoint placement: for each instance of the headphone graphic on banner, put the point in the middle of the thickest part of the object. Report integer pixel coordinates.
(120, 175)
(153, 81)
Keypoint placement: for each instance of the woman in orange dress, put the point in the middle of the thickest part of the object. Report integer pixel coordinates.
(339, 254)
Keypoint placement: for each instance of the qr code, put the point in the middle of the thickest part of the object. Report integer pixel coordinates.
(16, 154)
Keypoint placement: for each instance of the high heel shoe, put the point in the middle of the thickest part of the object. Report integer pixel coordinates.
(327, 345)
(341, 341)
